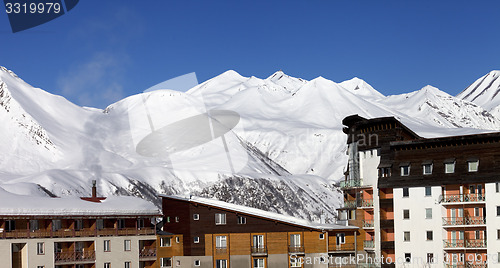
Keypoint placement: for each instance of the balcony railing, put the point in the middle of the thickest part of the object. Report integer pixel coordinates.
(465, 265)
(463, 243)
(221, 250)
(341, 247)
(460, 198)
(74, 257)
(471, 220)
(147, 253)
(295, 249)
(351, 183)
(62, 233)
(368, 244)
(259, 250)
(358, 203)
(368, 224)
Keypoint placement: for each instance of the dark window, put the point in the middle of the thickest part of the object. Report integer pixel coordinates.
(408, 257)
(498, 210)
(427, 169)
(429, 236)
(242, 220)
(406, 192)
(405, 170)
(430, 257)
(406, 214)
(121, 223)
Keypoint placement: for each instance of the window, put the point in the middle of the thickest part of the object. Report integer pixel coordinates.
(127, 245)
(476, 212)
(221, 241)
(449, 167)
(99, 224)
(127, 264)
(40, 266)
(258, 263)
(406, 192)
(340, 238)
(176, 219)
(56, 225)
(165, 241)
(177, 240)
(178, 263)
(405, 170)
(221, 264)
(107, 265)
(140, 223)
(295, 240)
(428, 213)
(107, 245)
(322, 236)
(34, 225)
(473, 165)
(166, 262)
(295, 262)
(498, 211)
(197, 263)
(196, 217)
(78, 224)
(242, 220)
(79, 246)
(428, 191)
(196, 239)
(430, 257)
(10, 225)
(427, 169)
(497, 187)
(168, 219)
(406, 236)
(385, 172)
(429, 236)
(472, 189)
(40, 248)
(258, 241)
(220, 218)
(478, 234)
(408, 257)
(498, 233)
(406, 214)
(121, 223)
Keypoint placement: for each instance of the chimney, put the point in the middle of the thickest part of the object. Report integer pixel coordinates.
(94, 189)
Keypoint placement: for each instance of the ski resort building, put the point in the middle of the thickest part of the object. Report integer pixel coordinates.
(200, 232)
(422, 202)
(40, 232)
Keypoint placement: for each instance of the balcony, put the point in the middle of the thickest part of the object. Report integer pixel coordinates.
(466, 265)
(369, 244)
(368, 224)
(465, 221)
(74, 257)
(350, 184)
(358, 203)
(463, 198)
(221, 250)
(296, 249)
(341, 248)
(386, 224)
(462, 243)
(147, 254)
(64, 233)
(259, 251)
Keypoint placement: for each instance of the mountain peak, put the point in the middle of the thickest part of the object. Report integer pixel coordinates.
(360, 87)
(484, 91)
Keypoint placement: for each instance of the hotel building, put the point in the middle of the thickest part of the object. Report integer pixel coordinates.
(422, 202)
(201, 232)
(41, 232)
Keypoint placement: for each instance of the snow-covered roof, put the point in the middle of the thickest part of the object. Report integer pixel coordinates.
(23, 205)
(259, 213)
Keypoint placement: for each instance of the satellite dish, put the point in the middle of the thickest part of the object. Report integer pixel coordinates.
(188, 133)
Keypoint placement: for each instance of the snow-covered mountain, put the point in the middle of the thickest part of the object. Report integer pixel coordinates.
(285, 154)
(484, 92)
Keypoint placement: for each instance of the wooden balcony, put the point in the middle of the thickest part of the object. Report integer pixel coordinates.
(466, 221)
(64, 233)
(463, 198)
(147, 254)
(463, 243)
(369, 244)
(358, 203)
(221, 250)
(368, 224)
(74, 257)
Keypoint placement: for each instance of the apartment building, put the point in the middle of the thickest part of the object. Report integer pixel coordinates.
(93, 232)
(201, 232)
(423, 202)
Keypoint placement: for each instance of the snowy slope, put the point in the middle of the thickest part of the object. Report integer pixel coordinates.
(485, 92)
(285, 154)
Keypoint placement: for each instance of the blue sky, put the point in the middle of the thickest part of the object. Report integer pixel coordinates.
(102, 51)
